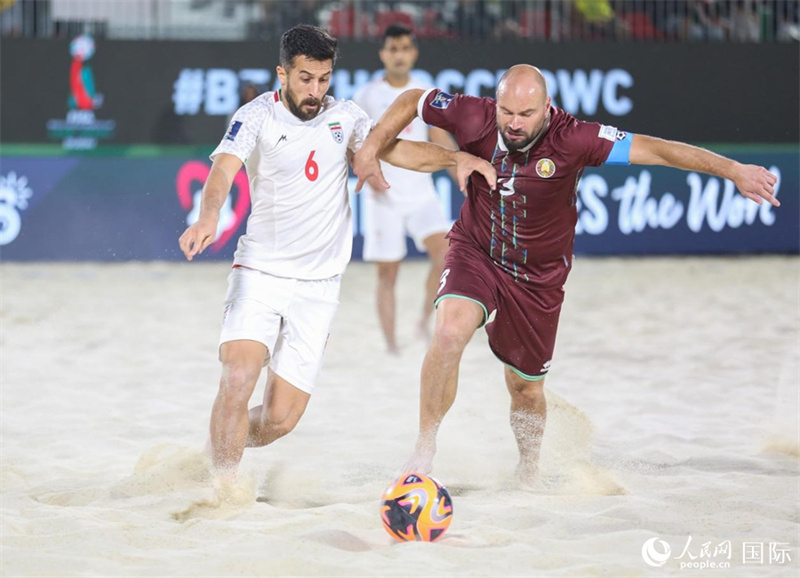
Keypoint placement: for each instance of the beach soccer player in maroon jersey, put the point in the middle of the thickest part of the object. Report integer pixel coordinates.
(511, 248)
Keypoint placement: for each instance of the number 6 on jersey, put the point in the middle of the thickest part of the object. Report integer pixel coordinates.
(312, 168)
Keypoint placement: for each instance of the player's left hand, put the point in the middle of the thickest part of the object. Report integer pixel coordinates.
(367, 168)
(757, 184)
(466, 164)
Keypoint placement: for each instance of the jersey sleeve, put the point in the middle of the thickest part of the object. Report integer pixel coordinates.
(463, 116)
(621, 149)
(242, 135)
(597, 141)
(361, 126)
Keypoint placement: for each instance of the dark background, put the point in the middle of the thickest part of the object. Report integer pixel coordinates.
(702, 93)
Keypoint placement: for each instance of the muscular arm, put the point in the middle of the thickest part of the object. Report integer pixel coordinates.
(398, 116)
(215, 190)
(754, 182)
(444, 139)
(427, 157)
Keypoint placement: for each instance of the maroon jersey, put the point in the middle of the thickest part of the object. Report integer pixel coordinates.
(527, 226)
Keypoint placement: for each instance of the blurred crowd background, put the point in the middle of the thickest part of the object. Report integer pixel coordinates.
(535, 20)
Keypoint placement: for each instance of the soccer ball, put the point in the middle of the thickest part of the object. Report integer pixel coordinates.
(416, 507)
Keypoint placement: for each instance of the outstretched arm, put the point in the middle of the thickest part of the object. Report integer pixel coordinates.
(398, 116)
(427, 158)
(754, 182)
(202, 233)
(444, 139)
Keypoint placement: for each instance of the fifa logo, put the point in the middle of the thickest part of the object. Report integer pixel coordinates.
(81, 130)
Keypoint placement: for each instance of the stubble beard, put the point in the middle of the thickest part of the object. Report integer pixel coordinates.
(297, 110)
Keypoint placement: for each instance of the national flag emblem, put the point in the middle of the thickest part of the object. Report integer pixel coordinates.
(337, 132)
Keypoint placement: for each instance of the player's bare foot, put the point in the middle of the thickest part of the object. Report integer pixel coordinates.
(393, 350)
(528, 472)
(418, 464)
(421, 461)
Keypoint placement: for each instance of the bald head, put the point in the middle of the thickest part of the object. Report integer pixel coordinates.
(523, 107)
(522, 81)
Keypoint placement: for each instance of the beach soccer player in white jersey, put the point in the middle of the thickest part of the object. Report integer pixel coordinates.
(410, 207)
(283, 289)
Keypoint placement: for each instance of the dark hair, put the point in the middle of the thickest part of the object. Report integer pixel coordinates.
(396, 31)
(309, 41)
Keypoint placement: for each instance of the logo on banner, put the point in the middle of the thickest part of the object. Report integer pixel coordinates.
(14, 195)
(189, 186)
(545, 168)
(337, 132)
(80, 130)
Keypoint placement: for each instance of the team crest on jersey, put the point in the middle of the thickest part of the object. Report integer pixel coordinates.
(442, 100)
(545, 168)
(337, 132)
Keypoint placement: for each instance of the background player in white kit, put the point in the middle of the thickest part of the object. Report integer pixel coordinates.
(410, 207)
(283, 290)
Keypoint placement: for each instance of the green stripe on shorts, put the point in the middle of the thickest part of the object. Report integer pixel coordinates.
(446, 295)
(524, 376)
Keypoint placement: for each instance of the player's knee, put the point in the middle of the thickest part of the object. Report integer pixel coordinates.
(236, 384)
(531, 391)
(282, 425)
(387, 274)
(451, 337)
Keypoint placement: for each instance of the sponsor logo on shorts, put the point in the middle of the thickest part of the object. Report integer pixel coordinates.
(233, 130)
(545, 168)
(442, 100)
(337, 132)
(546, 366)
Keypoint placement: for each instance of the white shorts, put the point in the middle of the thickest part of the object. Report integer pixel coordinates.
(291, 317)
(387, 223)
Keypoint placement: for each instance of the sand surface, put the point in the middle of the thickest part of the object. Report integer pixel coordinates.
(673, 403)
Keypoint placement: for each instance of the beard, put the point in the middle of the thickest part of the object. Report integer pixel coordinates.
(297, 108)
(515, 145)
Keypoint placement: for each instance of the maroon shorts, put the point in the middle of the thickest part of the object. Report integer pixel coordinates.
(521, 321)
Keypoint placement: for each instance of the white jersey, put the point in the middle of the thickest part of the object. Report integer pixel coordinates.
(300, 225)
(375, 97)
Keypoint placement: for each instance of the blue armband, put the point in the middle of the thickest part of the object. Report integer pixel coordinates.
(621, 150)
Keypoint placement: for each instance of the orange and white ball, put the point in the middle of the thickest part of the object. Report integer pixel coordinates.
(416, 507)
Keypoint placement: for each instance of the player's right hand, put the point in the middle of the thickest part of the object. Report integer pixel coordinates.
(367, 168)
(197, 237)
